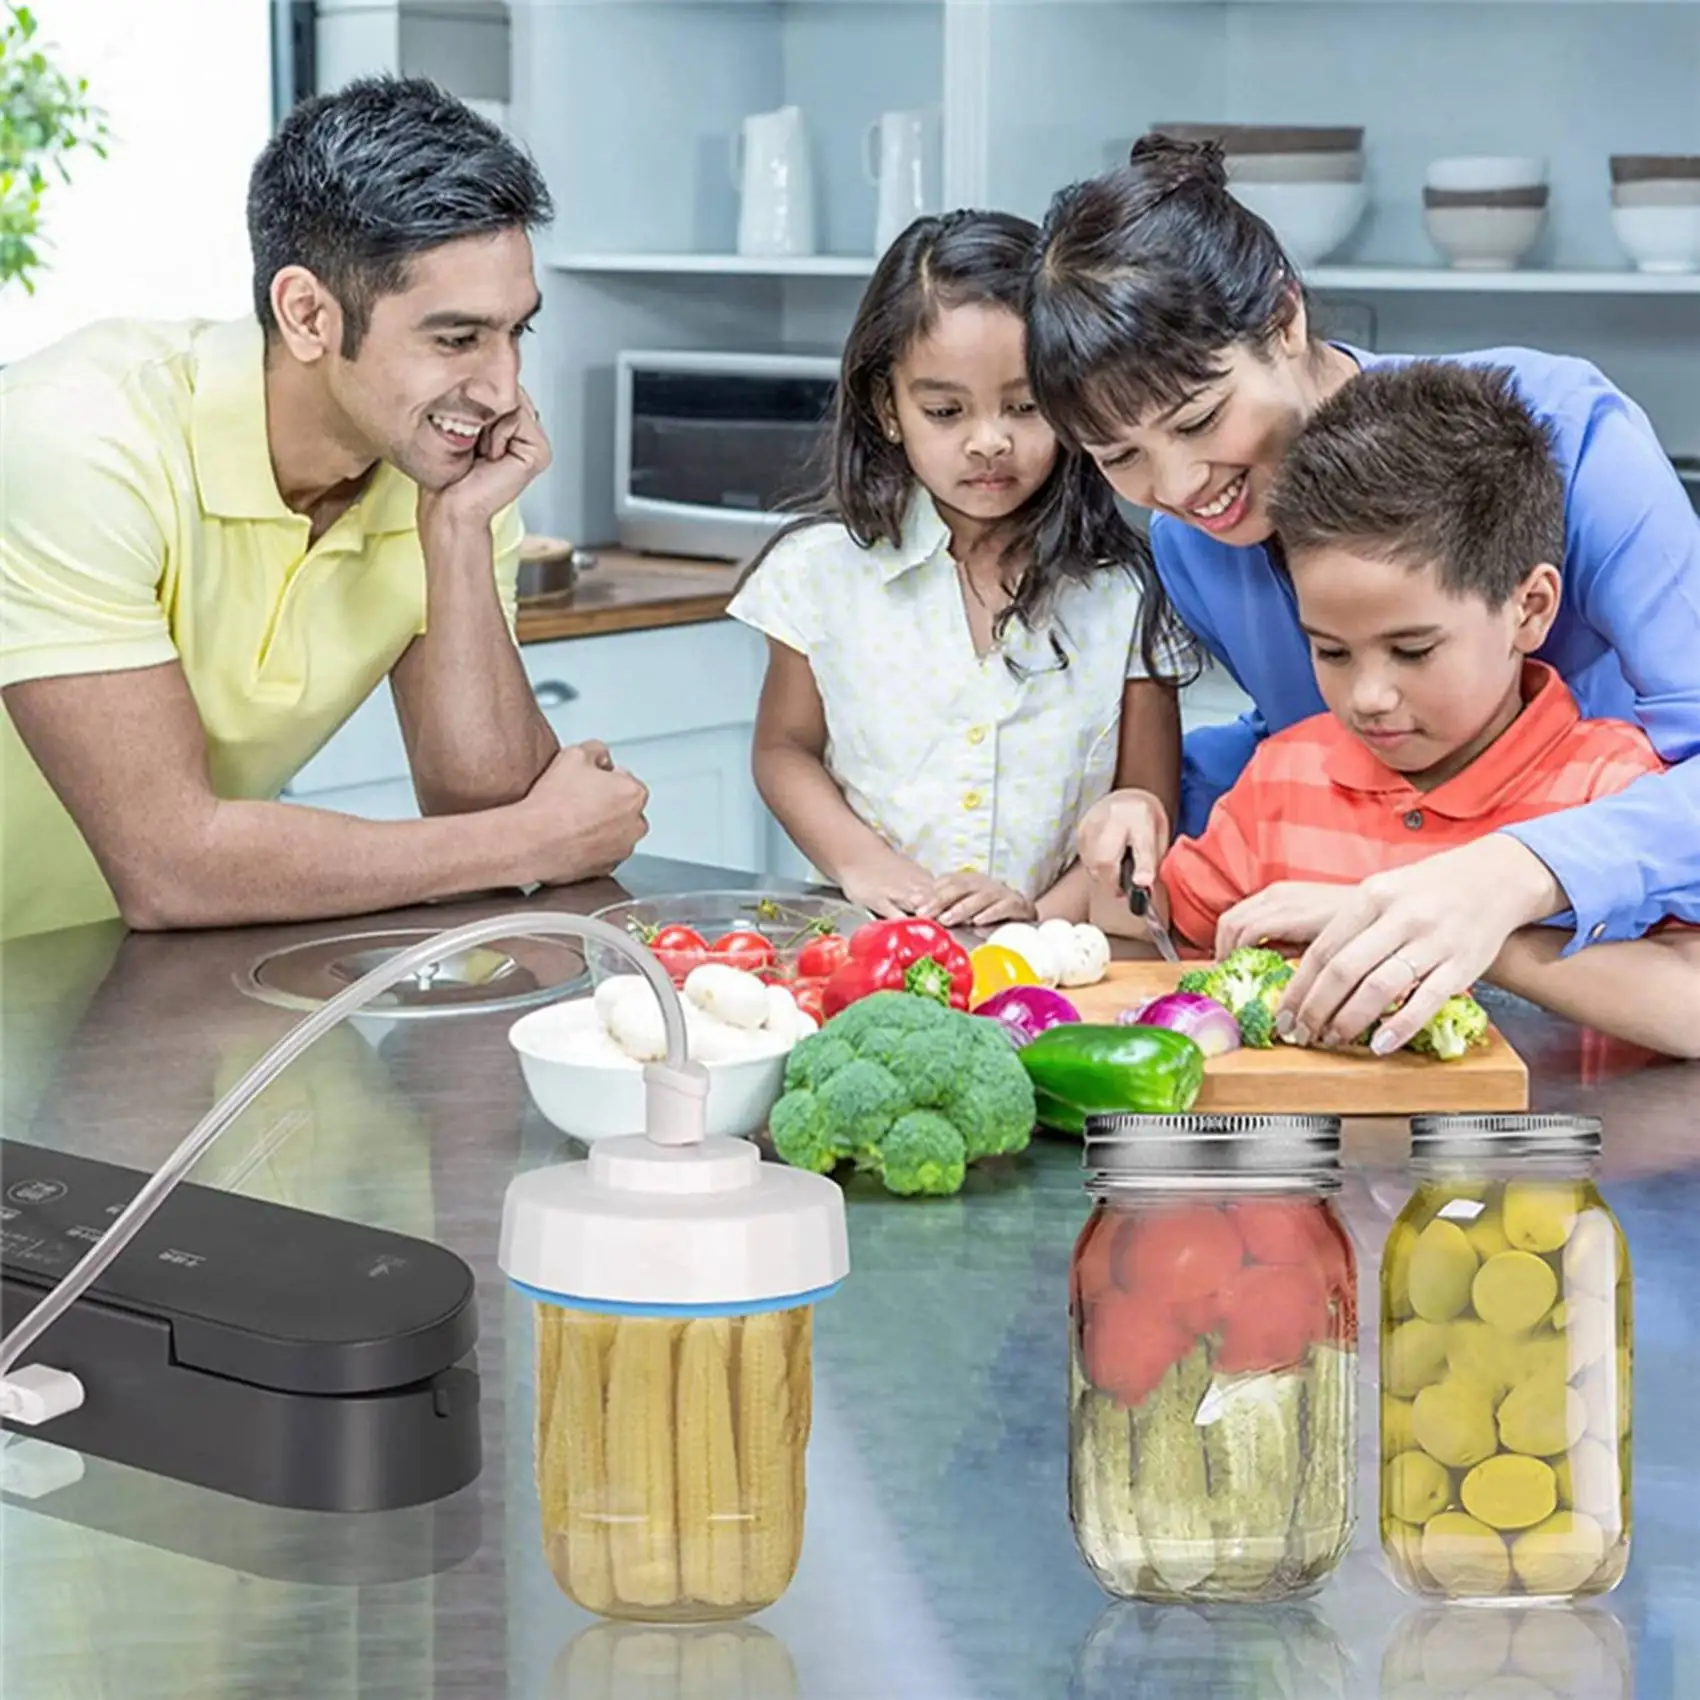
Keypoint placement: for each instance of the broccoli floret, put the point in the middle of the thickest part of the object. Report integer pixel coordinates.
(1239, 977)
(1458, 1024)
(923, 1153)
(1257, 1026)
(906, 1088)
(1195, 980)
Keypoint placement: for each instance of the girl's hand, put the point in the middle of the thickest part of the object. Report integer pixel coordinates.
(1123, 821)
(888, 888)
(975, 900)
(1288, 912)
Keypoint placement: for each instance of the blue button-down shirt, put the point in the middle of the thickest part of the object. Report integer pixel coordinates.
(1626, 640)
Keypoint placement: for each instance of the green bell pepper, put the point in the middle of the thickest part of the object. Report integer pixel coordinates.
(1080, 1069)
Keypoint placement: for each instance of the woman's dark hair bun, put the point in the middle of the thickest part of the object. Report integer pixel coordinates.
(1167, 163)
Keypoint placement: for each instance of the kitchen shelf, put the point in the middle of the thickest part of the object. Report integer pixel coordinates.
(1443, 280)
(719, 265)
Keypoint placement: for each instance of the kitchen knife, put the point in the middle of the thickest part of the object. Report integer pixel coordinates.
(1139, 904)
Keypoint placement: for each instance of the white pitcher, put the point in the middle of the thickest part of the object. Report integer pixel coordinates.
(895, 158)
(772, 171)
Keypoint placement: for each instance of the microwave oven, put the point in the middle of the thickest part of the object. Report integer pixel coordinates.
(713, 449)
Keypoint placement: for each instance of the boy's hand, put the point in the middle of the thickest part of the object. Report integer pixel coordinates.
(1288, 912)
(1122, 821)
(891, 887)
(975, 900)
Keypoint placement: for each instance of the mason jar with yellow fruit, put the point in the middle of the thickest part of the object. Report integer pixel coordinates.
(1507, 1347)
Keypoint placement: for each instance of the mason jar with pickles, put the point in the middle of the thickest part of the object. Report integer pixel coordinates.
(1506, 1352)
(1213, 1357)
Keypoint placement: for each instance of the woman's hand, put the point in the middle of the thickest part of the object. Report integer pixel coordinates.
(975, 900)
(1123, 821)
(1420, 934)
(888, 887)
(1288, 912)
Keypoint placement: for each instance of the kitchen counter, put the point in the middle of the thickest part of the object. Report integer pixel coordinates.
(938, 1563)
(625, 592)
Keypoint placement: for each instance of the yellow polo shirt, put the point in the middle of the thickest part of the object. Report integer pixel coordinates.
(140, 523)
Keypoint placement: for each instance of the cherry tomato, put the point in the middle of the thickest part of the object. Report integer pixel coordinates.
(1095, 1257)
(822, 957)
(1128, 1344)
(1200, 1316)
(1281, 1230)
(1274, 1312)
(1184, 1253)
(808, 995)
(676, 937)
(744, 948)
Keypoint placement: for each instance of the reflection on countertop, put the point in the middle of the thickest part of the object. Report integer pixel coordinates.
(938, 1562)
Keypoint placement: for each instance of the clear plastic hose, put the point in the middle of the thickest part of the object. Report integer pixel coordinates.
(676, 1089)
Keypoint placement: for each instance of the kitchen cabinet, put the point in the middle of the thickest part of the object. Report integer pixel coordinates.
(1032, 94)
(676, 705)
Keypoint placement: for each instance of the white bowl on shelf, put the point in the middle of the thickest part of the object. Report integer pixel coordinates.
(1484, 239)
(1486, 171)
(1659, 239)
(1658, 192)
(603, 1097)
(1330, 167)
(1310, 220)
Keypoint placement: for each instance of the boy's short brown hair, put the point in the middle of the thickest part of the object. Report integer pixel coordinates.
(1429, 464)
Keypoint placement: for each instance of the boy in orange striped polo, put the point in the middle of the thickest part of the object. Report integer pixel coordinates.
(1422, 517)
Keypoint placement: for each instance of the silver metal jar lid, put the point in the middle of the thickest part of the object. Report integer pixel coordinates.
(1244, 1147)
(1496, 1137)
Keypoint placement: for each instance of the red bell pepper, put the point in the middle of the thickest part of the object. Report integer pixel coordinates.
(906, 955)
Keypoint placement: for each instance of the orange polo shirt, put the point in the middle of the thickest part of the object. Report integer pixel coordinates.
(1314, 803)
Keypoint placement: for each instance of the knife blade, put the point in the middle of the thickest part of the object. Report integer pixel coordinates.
(1140, 905)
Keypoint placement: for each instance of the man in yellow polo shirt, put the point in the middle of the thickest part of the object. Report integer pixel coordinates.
(215, 539)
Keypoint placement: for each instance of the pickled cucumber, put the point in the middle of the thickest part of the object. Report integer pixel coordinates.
(1486, 1235)
(1592, 1259)
(1443, 1264)
(1416, 1487)
(1590, 1481)
(1396, 1268)
(1171, 1485)
(1539, 1215)
(1560, 1554)
(1465, 1556)
(1323, 1513)
(1413, 1354)
(1514, 1290)
(1453, 1421)
(1397, 1434)
(1481, 1355)
(1509, 1491)
(1542, 1417)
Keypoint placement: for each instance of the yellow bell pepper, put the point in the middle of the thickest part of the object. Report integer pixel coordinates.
(996, 968)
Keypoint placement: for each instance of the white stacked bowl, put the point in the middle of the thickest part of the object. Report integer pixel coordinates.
(1655, 210)
(1484, 212)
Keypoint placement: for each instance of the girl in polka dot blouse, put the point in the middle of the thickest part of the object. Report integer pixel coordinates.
(967, 646)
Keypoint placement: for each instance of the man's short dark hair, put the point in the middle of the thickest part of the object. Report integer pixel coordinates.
(1431, 464)
(355, 183)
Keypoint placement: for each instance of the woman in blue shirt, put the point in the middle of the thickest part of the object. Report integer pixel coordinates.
(1167, 336)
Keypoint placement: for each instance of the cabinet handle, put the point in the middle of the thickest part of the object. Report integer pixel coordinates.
(554, 693)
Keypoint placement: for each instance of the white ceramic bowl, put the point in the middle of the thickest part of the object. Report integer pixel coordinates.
(1334, 167)
(1657, 192)
(1486, 171)
(1310, 219)
(1659, 239)
(1484, 239)
(600, 1100)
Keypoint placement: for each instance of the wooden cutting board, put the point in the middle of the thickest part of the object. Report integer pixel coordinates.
(1286, 1079)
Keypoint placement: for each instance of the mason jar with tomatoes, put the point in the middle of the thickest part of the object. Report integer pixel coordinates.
(1213, 1357)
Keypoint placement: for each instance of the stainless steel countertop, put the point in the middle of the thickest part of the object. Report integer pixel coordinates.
(938, 1563)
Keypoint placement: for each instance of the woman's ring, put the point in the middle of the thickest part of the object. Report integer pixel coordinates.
(1405, 963)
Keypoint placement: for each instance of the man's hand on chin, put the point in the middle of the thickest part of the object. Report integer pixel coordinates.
(511, 453)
